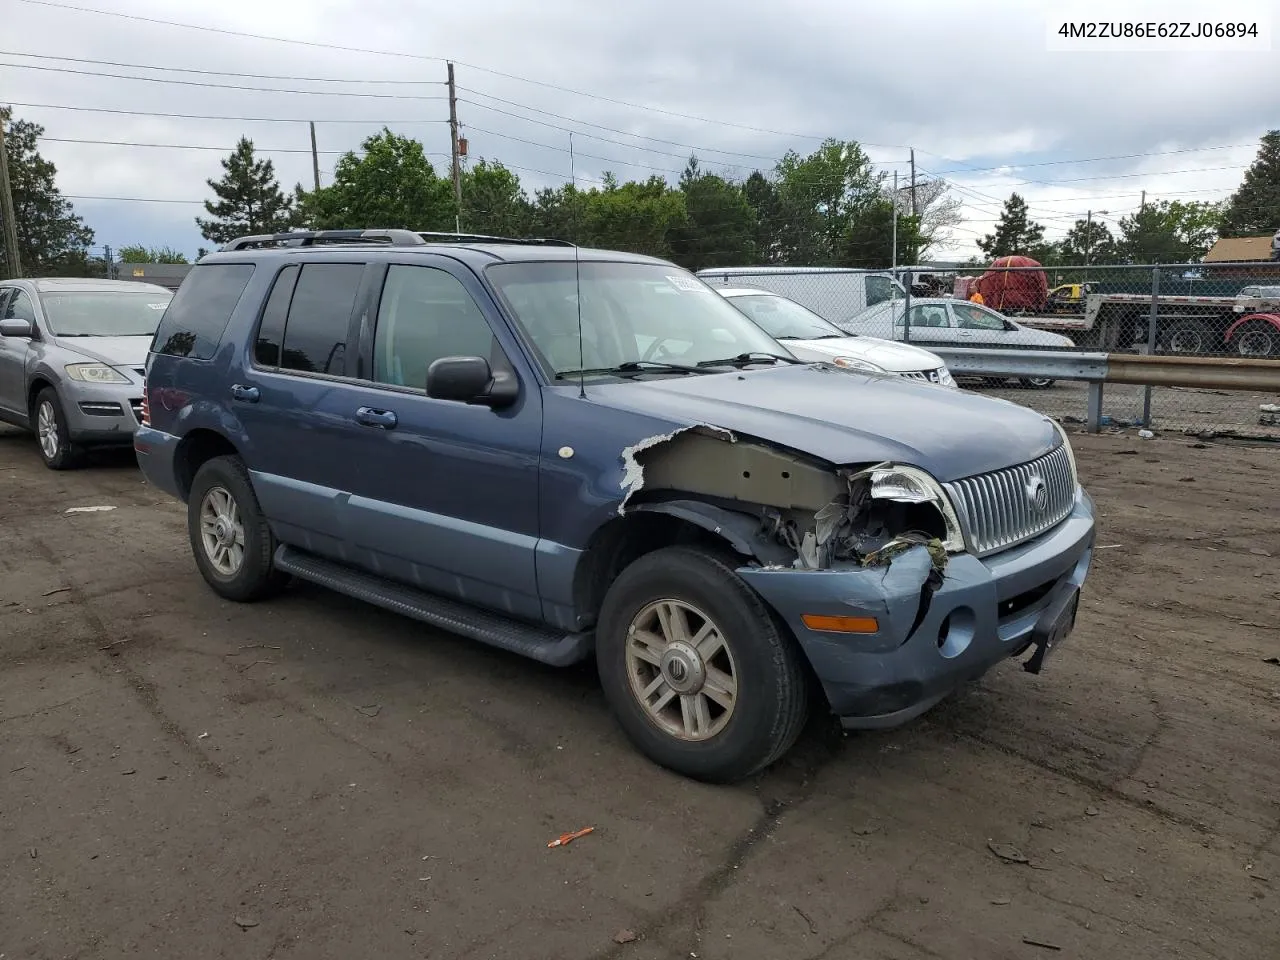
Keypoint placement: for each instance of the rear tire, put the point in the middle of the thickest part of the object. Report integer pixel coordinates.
(1037, 383)
(1257, 339)
(50, 426)
(230, 539)
(723, 705)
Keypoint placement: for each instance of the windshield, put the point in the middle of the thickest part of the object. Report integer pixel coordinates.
(784, 319)
(631, 312)
(102, 314)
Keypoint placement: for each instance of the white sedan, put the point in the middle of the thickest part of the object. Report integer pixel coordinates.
(945, 322)
(812, 338)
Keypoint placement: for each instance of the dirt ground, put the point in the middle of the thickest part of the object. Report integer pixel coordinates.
(312, 778)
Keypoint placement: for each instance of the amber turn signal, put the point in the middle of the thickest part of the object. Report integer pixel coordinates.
(841, 624)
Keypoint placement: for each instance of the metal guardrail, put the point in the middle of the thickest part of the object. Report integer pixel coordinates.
(1097, 369)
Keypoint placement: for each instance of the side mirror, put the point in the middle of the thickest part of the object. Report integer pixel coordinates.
(470, 380)
(16, 328)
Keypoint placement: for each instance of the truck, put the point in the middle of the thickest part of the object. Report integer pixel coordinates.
(1247, 324)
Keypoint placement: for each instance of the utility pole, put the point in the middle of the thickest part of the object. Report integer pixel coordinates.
(457, 162)
(914, 212)
(315, 157)
(13, 262)
(106, 257)
(894, 260)
(1143, 205)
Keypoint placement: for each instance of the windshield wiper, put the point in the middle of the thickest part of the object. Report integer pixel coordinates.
(742, 359)
(631, 367)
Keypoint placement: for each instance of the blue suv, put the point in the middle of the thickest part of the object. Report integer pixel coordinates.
(570, 453)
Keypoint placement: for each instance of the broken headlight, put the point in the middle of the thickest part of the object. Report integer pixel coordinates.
(904, 484)
(1071, 454)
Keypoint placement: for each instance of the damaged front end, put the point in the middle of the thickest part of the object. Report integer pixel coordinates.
(803, 513)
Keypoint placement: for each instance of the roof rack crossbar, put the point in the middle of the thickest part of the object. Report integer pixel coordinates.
(431, 236)
(308, 238)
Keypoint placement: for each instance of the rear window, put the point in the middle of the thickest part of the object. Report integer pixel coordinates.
(200, 311)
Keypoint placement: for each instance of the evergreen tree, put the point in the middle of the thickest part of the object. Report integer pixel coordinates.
(1015, 233)
(1254, 209)
(249, 199)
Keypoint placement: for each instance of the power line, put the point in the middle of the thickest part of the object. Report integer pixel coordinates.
(414, 56)
(202, 116)
(220, 73)
(168, 81)
(1116, 176)
(1013, 167)
(598, 126)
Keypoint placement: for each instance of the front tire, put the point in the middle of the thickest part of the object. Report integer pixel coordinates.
(56, 449)
(1037, 383)
(230, 539)
(698, 671)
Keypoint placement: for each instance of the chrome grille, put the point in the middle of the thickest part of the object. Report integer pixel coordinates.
(998, 510)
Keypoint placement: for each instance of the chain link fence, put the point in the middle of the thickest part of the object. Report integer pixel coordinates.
(1205, 309)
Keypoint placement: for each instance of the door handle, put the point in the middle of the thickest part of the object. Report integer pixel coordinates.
(372, 417)
(247, 394)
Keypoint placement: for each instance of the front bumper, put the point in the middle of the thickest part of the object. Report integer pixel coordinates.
(101, 413)
(985, 611)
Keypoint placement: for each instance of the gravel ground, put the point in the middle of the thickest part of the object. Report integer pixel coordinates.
(312, 778)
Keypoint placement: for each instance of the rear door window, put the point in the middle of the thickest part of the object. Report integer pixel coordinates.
(266, 345)
(315, 334)
(199, 313)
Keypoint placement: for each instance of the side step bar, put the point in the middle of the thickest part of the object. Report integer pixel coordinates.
(529, 640)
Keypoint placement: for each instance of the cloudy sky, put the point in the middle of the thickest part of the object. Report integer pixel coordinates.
(969, 84)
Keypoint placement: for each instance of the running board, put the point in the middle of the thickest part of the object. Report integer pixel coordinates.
(529, 640)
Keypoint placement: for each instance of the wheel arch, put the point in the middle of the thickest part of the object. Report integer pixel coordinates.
(196, 448)
(1269, 318)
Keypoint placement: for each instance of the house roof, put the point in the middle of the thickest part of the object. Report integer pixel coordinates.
(1236, 249)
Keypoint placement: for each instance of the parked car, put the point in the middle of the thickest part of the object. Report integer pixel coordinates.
(71, 361)
(831, 292)
(810, 337)
(474, 434)
(946, 322)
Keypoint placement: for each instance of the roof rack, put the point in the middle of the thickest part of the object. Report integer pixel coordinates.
(429, 236)
(308, 238)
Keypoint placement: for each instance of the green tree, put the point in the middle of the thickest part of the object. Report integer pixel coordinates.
(1089, 242)
(636, 216)
(249, 199)
(137, 253)
(820, 195)
(869, 242)
(1015, 233)
(1254, 209)
(761, 195)
(720, 226)
(1169, 231)
(390, 185)
(493, 201)
(52, 239)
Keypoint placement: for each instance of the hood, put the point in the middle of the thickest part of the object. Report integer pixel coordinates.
(1031, 337)
(114, 351)
(894, 357)
(847, 417)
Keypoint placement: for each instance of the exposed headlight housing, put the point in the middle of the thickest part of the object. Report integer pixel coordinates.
(95, 373)
(912, 485)
(854, 363)
(1071, 454)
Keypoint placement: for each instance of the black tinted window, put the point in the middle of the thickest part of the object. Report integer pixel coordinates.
(266, 347)
(200, 311)
(315, 337)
